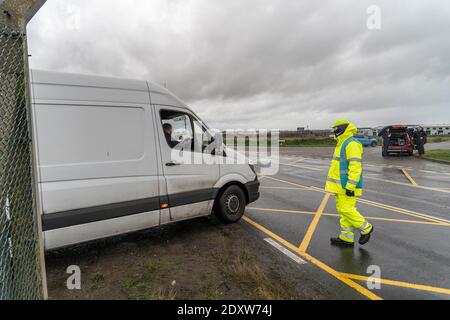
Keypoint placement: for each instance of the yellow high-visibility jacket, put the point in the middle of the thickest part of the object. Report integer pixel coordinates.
(353, 155)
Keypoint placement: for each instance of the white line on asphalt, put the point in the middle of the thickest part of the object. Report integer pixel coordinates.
(406, 211)
(301, 167)
(287, 252)
(371, 164)
(297, 161)
(433, 172)
(373, 177)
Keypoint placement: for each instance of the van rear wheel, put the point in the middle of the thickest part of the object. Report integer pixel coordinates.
(230, 206)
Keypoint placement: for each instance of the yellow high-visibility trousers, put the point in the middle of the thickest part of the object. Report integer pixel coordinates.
(350, 218)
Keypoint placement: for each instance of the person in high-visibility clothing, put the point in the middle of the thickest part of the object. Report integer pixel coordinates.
(345, 180)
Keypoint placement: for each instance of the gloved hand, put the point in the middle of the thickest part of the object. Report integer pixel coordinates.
(349, 193)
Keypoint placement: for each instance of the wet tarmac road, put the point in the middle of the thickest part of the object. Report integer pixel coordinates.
(407, 200)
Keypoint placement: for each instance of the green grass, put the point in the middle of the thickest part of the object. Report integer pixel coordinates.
(442, 155)
(97, 280)
(211, 293)
(307, 142)
(438, 139)
(289, 142)
(322, 142)
(242, 267)
(140, 286)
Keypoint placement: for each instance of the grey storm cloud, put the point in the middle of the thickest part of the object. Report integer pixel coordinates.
(262, 63)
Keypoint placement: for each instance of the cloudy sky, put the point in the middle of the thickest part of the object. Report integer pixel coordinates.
(263, 63)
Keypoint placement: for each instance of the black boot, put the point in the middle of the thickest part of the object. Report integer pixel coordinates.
(365, 237)
(341, 243)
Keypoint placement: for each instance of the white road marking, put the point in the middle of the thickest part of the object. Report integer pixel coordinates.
(297, 161)
(371, 164)
(406, 211)
(7, 208)
(372, 177)
(434, 172)
(287, 252)
(301, 167)
(445, 190)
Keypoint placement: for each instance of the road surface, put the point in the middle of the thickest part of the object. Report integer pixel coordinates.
(407, 199)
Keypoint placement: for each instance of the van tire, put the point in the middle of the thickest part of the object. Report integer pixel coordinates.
(230, 205)
(374, 144)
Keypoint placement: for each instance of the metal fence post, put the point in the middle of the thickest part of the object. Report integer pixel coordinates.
(22, 269)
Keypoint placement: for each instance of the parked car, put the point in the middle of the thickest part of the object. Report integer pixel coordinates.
(400, 141)
(106, 165)
(366, 142)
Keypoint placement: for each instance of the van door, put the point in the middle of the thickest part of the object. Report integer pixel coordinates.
(189, 172)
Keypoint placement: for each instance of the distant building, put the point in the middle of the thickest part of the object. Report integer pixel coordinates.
(378, 129)
(437, 130)
(431, 130)
(302, 132)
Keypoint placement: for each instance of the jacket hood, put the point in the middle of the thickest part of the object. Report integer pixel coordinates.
(349, 132)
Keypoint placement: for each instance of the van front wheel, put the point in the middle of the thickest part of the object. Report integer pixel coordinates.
(230, 206)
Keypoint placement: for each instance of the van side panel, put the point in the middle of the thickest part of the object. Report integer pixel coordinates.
(91, 141)
(96, 148)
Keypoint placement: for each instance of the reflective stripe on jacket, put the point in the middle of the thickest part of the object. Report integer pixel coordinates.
(346, 167)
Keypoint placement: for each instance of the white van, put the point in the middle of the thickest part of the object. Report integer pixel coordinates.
(103, 148)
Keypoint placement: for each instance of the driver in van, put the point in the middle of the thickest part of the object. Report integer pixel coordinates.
(168, 134)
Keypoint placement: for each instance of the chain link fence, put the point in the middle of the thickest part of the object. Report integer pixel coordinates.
(20, 276)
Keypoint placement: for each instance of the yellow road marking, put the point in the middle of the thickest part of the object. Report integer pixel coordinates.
(406, 213)
(271, 234)
(398, 283)
(336, 215)
(345, 277)
(369, 294)
(407, 175)
(312, 227)
(407, 184)
(389, 208)
(371, 203)
(369, 164)
(409, 168)
(371, 177)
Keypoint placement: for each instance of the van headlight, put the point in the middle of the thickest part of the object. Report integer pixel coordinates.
(252, 167)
